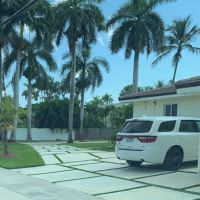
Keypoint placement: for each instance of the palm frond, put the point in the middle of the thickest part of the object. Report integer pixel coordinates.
(154, 3)
(95, 76)
(120, 35)
(194, 32)
(44, 55)
(160, 57)
(66, 56)
(8, 61)
(194, 50)
(99, 61)
(66, 67)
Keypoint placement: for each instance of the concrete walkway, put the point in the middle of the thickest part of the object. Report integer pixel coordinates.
(15, 186)
(102, 175)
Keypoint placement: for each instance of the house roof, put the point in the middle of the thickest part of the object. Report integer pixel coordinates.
(191, 82)
(168, 90)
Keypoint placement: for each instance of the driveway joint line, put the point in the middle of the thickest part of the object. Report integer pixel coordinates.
(58, 158)
(153, 175)
(62, 164)
(128, 189)
(95, 155)
(79, 161)
(49, 172)
(190, 187)
(76, 179)
(169, 188)
(112, 169)
(187, 172)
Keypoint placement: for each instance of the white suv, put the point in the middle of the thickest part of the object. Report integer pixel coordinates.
(159, 140)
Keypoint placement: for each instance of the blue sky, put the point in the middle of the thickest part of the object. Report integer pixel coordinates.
(121, 70)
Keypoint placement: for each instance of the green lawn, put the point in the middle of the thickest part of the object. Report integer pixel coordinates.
(102, 146)
(26, 156)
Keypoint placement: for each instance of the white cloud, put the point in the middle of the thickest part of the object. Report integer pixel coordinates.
(55, 46)
(54, 2)
(110, 33)
(101, 41)
(26, 30)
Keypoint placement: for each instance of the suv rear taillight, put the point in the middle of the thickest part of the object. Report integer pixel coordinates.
(147, 139)
(119, 138)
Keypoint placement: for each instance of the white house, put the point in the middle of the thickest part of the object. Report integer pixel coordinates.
(179, 99)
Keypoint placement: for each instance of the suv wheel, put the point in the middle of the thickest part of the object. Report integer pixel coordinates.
(134, 163)
(173, 159)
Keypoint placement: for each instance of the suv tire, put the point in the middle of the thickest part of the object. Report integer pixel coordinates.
(134, 163)
(173, 159)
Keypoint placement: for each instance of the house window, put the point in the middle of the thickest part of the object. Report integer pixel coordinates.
(170, 110)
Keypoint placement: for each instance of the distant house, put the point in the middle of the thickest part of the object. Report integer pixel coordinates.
(179, 99)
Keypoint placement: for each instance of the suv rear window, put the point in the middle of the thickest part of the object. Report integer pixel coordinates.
(137, 126)
(167, 126)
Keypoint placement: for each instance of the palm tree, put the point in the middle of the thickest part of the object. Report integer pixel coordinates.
(64, 87)
(32, 68)
(5, 34)
(107, 99)
(160, 84)
(77, 20)
(20, 24)
(53, 89)
(138, 28)
(11, 57)
(3, 41)
(35, 92)
(181, 34)
(5, 30)
(41, 85)
(89, 75)
(37, 24)
(7, 8)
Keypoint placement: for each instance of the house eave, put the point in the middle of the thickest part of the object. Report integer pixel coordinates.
(154, 98)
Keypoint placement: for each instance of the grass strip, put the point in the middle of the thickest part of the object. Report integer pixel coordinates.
(25, 156)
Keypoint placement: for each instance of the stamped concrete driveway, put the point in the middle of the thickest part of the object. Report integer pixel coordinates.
(101, 174)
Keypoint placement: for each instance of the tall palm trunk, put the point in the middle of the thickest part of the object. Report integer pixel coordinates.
(175, 71)
(82, 102)
(136, 71)
(16, 96)
(82, 111)
(1, 84)
(1, 74)
(29, 114)
(72, 90)
(16, 87)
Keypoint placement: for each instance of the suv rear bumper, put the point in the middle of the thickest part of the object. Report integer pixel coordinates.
(148, 155)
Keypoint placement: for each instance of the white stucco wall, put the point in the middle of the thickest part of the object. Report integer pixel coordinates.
(188, 106)
(41, 134)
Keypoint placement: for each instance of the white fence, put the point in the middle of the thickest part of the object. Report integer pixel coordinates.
(41, 134)
(45, 134)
